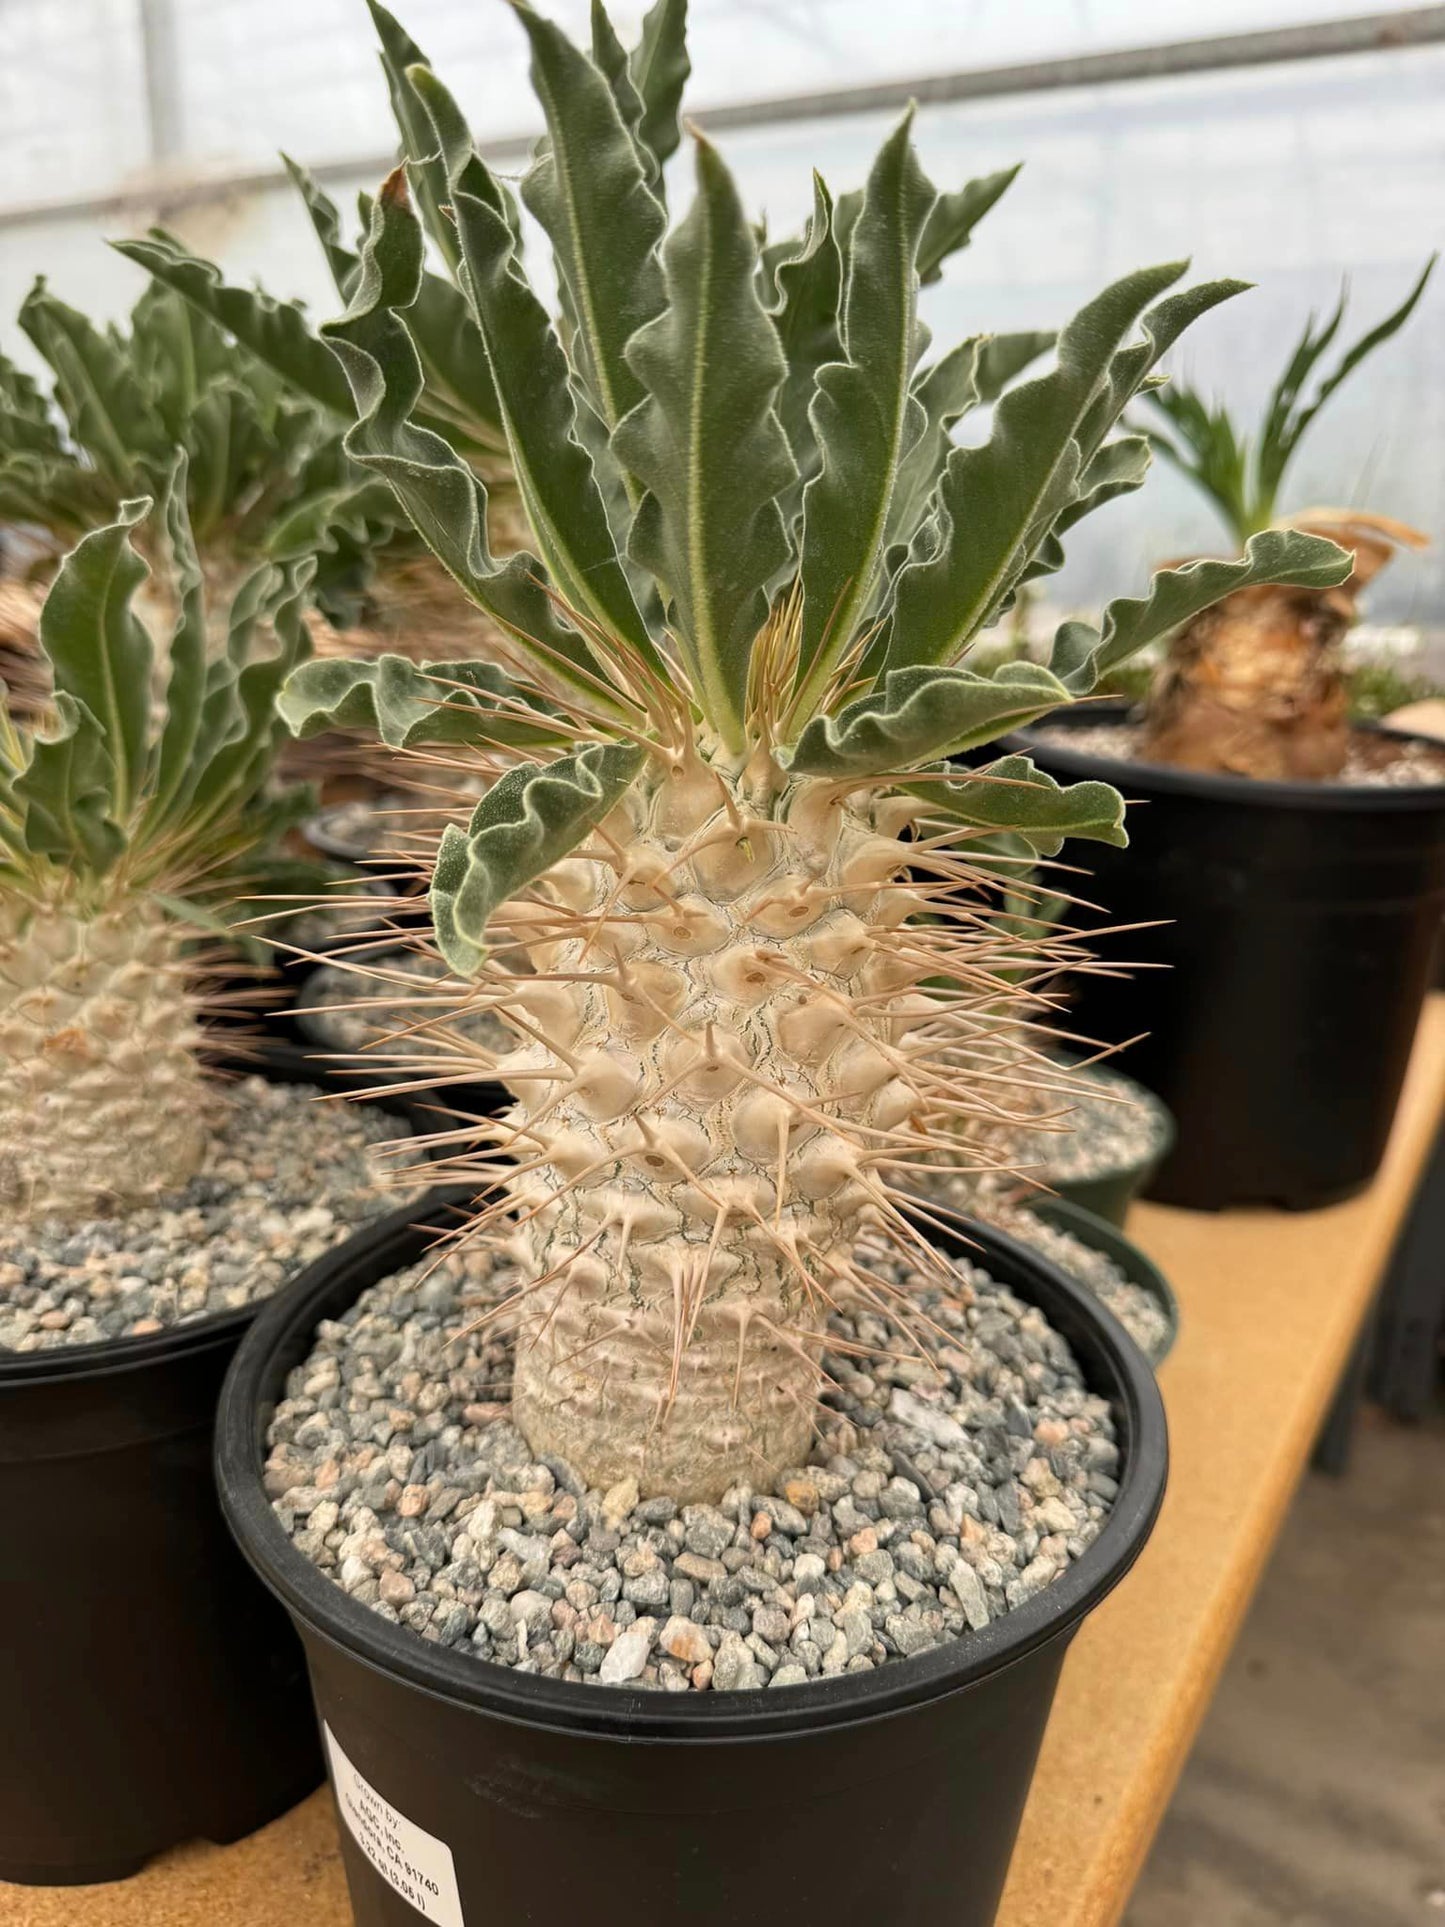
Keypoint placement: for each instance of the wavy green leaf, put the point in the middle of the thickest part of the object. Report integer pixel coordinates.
(1130, 370)
(708, 447)
(444, 499)
(235, 743)
(1013, 796)
(57, 494)
(66, 794)
(996, 502)
(660, 68)
(276, 332)
(588, 188)
(23, 434)
(98, 647)
(341, 258)
(527, 821)
(552, 470)
(110, 415)
(20, 394)
(400, 53)
(864, 413)
(954, 217)
(409, 704)
(358, 512)
(609, 57)
(1001, 358)
(920, 714)
(805, 285)
(178, 354)
(945, 393)
(1081, 653)
(972, 375)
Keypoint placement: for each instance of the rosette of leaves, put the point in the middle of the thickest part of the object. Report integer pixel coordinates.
(267, 478)
(459, 397)
(726, 885)
(1259, 686)
(125, 827)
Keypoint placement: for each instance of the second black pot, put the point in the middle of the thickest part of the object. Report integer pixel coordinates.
(1295, 923)
(151, 1691)
(472, 1792)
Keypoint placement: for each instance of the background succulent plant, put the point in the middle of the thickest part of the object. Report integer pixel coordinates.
(726, 884)
(1259, 686)
(126, 826)
(267, 478)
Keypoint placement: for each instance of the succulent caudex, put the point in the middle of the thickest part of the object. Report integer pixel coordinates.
(1258, 684)
(725, 885)
(118, 828)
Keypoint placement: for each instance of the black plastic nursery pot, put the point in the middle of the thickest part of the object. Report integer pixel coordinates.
(470, 1793)
(151, 1690)
(1295, 923)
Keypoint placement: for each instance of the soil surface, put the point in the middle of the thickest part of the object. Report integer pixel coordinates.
(939, 1495)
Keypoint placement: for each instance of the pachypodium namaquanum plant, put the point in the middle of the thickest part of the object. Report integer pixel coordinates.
(726, 886)
(1258, 685)
(120, 822)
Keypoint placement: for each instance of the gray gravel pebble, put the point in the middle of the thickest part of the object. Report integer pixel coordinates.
(1096, 1121)
(284, 1179)
(1137, 1309)
(934, 1502)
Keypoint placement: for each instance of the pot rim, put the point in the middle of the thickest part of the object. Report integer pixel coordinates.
(281, 1063)
(1138, 779)
(279, 1338)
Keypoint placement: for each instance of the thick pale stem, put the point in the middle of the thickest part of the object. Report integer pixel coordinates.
(1256, 687)
(690, 1370)
(702, 1090)
(101, 1098)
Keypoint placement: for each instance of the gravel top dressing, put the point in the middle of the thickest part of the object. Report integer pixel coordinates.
(1374, 762)
(1137, 1310)
(285, 1179)
(935, 1501)
(1099, 1123)
(347, 1009)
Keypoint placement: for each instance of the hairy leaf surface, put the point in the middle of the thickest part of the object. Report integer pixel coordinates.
(527, 821)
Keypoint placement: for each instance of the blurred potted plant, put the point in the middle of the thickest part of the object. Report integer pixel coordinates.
(266, 477)
(720, 857)
(1289, 869)
(149, 1685)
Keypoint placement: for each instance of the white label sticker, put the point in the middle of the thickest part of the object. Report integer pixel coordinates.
(413, 1861)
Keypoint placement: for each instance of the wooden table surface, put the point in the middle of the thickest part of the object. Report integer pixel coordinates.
(1271, 1305)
